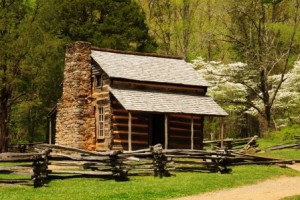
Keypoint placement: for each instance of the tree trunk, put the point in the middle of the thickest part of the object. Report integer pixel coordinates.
(268, 116)
(3, 129)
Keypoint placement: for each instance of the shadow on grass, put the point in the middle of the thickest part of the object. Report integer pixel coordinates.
(50, 177)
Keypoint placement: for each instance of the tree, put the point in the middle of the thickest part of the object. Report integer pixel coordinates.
(16, 45)
(259, 43)
(33, 37)
(286, 108)
(108, 23)
(236, 98)
(173, 23)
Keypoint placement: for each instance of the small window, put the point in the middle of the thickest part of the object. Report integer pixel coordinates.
(99, 81)
(93, 83)
(101, 123)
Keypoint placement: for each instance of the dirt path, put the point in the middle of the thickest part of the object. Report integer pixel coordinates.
(268, 190)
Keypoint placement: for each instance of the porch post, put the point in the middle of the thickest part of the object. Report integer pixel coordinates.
(222, 132)
(166, 131)
(192, 133)
(129, 132)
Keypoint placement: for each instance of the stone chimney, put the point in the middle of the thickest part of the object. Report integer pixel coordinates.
(75, 123)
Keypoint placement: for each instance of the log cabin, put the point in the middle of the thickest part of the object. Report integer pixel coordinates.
(127, 100)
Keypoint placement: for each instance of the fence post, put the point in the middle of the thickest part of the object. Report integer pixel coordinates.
(40, 167)
(159, 161)
(117, 167)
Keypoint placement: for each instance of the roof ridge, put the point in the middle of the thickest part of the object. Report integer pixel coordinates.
(135, 53)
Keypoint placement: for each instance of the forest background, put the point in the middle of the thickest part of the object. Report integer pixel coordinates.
(248, 50)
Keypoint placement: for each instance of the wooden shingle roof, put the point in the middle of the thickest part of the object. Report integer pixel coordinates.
(167, 102)
(148, 68)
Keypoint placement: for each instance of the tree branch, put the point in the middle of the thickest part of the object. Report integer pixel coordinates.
(248, 103)
(14, 100)
(282, 79)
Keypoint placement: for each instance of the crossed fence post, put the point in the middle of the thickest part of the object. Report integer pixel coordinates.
(40, 167)
(159, 161)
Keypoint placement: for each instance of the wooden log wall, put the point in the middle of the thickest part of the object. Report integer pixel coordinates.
(180, 132)
(116, 117)
(140, 131)
(119, 126)
(102, 99)
(139, 127)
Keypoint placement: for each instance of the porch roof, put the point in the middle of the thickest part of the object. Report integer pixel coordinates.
(167, 102)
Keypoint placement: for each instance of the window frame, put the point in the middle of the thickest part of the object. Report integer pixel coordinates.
(101, 123)
(99, 81)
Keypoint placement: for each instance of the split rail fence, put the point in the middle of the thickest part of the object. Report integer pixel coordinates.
(56, 160)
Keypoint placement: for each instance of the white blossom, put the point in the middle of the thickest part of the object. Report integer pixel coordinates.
(231, 83)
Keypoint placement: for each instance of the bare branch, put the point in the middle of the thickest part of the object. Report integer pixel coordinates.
(275, 63)
(248, 103)
(282, 79)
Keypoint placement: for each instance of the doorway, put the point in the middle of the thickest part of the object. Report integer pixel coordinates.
(158, 129)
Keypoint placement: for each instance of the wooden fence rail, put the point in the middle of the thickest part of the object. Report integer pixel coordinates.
(57, 160)
(291, 145)
(230, 143)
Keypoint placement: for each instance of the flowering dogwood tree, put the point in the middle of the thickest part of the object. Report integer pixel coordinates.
(236, 87)
(286, 107)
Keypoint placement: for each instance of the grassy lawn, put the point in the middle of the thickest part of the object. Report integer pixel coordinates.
(146, 187)
(289, 154)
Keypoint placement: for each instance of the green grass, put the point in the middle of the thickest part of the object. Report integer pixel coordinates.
(297, 197)
(290, 154)
(146, 187)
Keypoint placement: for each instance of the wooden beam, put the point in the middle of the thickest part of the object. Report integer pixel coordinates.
(120, 141)
(132, 133)
(134, 125)
(129, 132)
(166, 131)
(123, 117)
(185, 116)
(158, 86)
(192, 133)
(222, 132)
(187, 130)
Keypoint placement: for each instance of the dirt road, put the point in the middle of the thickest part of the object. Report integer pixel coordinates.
(268, 190)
